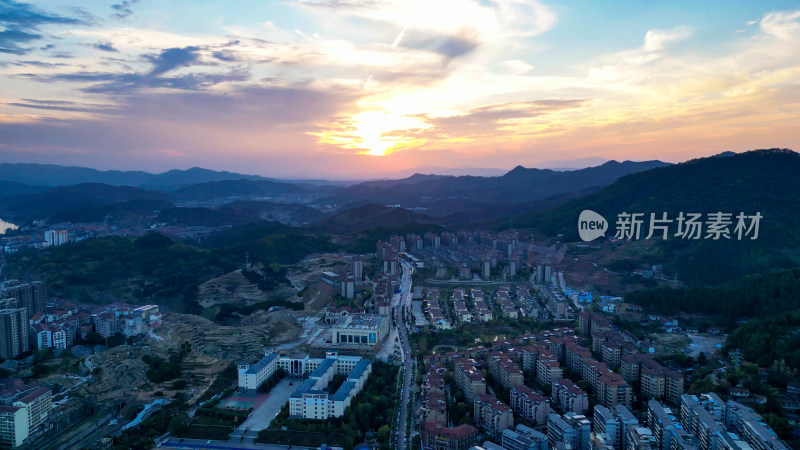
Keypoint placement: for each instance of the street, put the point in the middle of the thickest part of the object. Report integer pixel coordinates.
(403, 299)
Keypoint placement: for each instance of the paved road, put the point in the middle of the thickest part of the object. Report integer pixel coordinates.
(219, 445)
(404, 300)
(260, 418)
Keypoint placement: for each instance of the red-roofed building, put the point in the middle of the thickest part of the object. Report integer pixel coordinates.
(461, 437)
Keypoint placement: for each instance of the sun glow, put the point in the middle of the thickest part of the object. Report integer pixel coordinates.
(375, 133)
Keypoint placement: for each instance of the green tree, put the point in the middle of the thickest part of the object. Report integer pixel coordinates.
(383, 433)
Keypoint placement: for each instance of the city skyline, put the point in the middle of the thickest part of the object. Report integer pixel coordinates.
(363, 88)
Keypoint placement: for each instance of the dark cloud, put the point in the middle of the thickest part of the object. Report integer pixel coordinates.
(173, 58)
(60, 105)
(105, 46)
(63, 55)
(162, 62)
(123, 9)
(37, 64)
(225, 55)
(449, 46)
(21, 22)
(121, 83)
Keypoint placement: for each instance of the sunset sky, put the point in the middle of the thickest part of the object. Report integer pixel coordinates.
(361, 88)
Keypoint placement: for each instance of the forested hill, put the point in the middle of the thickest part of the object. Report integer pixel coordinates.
(754, 295)
(762, 181)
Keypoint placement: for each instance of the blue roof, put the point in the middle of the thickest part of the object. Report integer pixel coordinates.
(359, 369)
(255, 368)
(303, 388)
(344, 391)
(323, 367)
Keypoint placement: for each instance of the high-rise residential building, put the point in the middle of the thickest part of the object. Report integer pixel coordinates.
(56, 237)
(349, 286)
(32, 297)
(358, 269)
(14, 328)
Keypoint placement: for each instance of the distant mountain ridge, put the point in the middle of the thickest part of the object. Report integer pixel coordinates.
(242, 187)
(519, 185)
(52, 175)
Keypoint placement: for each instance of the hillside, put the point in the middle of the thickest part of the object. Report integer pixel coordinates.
(155, 269)
(762, 181)
(81, 200)
(11, 188)
(519, 185)
(243, 188)
(368, 216)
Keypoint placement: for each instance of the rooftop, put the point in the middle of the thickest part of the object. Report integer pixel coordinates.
(257, 367)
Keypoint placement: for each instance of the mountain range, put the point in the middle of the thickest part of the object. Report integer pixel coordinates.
(519, 185)
(53, 175)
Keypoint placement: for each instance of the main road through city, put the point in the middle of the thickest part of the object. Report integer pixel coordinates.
(403, 299)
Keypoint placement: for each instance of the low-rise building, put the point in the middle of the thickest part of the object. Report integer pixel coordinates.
(251, 376)
(311, 401)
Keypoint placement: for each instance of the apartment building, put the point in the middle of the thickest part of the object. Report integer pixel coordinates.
(523, 438)
(492, 415)
(569, 397)
(640, 438)
(667, 429)
(613, 422)
(505, 371)
(529, 404)
(548, 369)
(24, 410)
(570, 429)
(468, 378)
(461, 437)
(14, 327)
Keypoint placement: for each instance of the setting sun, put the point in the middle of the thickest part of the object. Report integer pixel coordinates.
(375, 133)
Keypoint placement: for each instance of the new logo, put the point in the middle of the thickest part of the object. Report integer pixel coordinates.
(591, 225)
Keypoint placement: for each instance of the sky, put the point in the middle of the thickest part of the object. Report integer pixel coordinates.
(362, 88)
